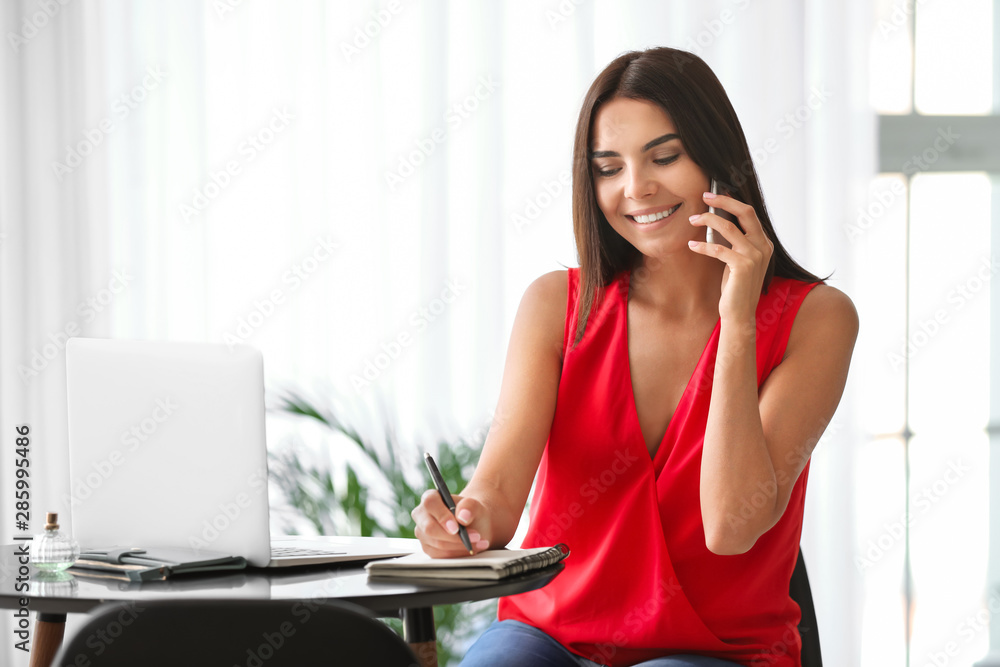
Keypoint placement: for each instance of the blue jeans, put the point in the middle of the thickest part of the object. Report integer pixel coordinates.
(515, 644)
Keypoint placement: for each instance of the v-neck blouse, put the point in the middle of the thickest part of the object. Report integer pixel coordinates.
(630, 386)
(639, 582)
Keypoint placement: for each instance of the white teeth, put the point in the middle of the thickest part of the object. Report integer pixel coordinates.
(643, 219)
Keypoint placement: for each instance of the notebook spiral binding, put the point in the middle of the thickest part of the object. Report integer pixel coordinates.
(537, 561)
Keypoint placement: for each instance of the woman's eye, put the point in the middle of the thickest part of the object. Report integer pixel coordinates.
(606, 172)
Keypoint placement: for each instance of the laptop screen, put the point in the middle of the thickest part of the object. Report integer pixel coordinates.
(167, 446)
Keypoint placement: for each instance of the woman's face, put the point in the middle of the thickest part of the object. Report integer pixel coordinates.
(646, 184)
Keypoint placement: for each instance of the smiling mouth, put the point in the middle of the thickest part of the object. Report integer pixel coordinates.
(653, 217)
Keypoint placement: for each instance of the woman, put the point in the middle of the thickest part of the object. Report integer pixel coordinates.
(668, 393)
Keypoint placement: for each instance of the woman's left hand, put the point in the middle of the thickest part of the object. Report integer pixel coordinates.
(747, 260)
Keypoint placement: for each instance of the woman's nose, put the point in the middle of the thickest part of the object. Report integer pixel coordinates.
(638, 183)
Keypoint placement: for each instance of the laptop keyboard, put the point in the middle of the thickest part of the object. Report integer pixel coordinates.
(288, 552)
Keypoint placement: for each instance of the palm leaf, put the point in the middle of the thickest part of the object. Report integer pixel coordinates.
(354, 509)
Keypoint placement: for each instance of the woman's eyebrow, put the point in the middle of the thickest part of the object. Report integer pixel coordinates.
(655, 142)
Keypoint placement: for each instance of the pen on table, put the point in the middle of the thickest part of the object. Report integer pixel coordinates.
(449, 502)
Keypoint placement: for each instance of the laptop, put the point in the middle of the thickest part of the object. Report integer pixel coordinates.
(167, 449)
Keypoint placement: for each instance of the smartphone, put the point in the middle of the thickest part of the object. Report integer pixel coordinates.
(710, 236)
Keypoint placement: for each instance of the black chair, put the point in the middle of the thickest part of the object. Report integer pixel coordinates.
(250, 633)
(798, 589)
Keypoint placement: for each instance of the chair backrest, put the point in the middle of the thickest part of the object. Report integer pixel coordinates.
(249, 633)
(798, 590)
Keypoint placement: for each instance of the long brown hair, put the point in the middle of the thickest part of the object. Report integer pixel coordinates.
(688, 91)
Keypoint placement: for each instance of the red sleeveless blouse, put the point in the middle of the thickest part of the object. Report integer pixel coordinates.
(639, 582)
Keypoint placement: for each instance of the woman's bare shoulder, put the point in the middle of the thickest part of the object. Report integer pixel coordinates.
(825, 301)
(543, 307)
(826, 317)
(550, 288)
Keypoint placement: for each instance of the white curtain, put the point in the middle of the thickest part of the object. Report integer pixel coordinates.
(363, 191)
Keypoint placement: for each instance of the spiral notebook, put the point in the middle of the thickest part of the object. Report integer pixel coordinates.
(493, 564)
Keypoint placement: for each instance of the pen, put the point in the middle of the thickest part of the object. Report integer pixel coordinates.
(449, 502)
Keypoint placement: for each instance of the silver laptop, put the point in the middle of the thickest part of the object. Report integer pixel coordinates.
(167, 448)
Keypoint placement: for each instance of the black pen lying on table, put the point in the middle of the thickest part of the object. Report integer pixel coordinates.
(449, 502)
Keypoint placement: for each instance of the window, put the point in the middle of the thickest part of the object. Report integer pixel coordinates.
(924, 245)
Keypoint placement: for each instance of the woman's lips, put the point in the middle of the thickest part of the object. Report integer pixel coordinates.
(653, 218)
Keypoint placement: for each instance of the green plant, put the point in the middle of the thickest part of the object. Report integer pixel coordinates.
(384, 481)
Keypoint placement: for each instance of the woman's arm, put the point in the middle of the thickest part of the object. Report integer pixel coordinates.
(492, 503)
(756, 446)
(757, 443)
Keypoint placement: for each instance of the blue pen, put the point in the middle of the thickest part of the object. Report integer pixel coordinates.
(449, 502)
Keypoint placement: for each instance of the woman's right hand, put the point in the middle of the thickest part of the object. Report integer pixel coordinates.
(437, 528)
(517, 435)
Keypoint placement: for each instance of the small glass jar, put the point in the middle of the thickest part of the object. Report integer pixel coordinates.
(53, 551)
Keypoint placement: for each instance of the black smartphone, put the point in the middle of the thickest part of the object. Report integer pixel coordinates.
(710, 235)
